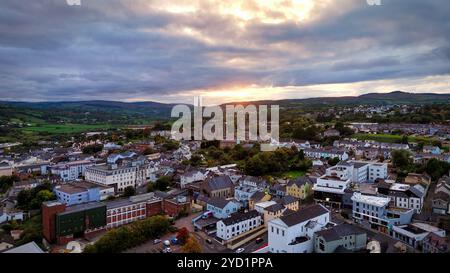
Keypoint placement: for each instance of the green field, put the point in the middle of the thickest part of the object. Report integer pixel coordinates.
(291, 174)
(391, 138)
(65, 128)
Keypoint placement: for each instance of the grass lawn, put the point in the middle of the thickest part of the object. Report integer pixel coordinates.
(64, 128)
(390, 138)
(291, 174)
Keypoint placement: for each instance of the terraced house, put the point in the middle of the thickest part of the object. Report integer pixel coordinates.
(300, 188)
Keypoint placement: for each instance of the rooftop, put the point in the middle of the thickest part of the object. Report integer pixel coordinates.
(31, 247)
(303, 215)
(370, 199)
(239, 217)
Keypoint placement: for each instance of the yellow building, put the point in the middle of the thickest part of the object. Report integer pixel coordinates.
(300, 188)
(258, 197)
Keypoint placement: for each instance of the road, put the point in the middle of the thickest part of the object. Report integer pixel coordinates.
(252, 246)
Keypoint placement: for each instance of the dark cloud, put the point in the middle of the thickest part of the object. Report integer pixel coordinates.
(128, 49)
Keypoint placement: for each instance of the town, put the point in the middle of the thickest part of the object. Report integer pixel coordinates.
(339, 190)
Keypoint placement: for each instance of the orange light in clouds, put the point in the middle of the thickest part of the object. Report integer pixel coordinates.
(265, 11)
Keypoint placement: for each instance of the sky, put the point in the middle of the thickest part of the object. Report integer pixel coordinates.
(222, 50)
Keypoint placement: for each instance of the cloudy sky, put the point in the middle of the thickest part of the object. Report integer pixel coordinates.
(223, 50)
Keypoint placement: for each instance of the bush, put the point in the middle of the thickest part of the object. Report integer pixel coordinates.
(129, 191)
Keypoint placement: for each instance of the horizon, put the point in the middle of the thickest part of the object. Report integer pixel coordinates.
(228, 102)
(222, 50)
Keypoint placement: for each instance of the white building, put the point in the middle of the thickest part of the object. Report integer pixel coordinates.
(112, 175)
(191, 177)
(294, 233)
(375, 212)
(237, 224)
(322, 153)
(413, 234)
(377, 171)
(330, 189)
(403, 195)
(360, 171)
(71, 170)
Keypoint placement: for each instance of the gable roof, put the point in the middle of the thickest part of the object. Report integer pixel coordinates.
(239, 217)
(275, 207)
(31, 247)
(303, 180)
(339, 231)
(304, 215)
(219, 202)
(259, 195)
(219, 182)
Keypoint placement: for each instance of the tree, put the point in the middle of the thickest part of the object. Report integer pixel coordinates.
(32, 199)
(148, 151)
(436, 168)
(404, 139)
(6, 182)
(343, 130)
(401, 159)
(301, 155)
(92, 149)
(333, 161)
(125, 237)
(192, 246)
(195, 160)
(150, 187)
(183, 235)
(129, 191)
(163, 183)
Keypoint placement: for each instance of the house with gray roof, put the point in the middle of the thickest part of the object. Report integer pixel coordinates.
(221, 207)
(347, 236)
(218, 186)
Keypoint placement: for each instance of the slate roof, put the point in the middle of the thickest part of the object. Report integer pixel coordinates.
(258, 196)
(300, 181)
(339, 231)
(239, 217)
(275, 207)
(286, 200)
(303, 215)
(31, 247)
(219, 182)
(218, 202)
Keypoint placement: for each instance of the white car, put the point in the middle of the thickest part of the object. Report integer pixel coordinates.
(167, 243)
(167, 250)
(240, 250)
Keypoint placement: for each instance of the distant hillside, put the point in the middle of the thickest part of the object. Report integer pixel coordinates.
(396, 97)
(82, 112)
(114, 112)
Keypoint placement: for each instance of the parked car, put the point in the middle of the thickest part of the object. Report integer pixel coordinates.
(167, 243)
(240, 250)
(208, 241)
(156, 241)
(167, 250)
(174, 240)
(259, 240)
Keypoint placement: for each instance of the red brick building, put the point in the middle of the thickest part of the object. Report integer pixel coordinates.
(49, 211)
(175, 206)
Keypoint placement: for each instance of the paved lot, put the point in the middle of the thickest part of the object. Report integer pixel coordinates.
(252, 246)
(150, 247)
